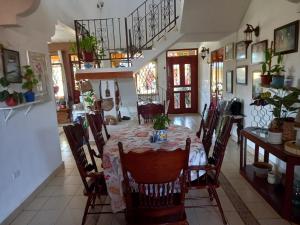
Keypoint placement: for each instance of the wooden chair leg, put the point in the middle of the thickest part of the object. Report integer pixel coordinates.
(210, 193)
(215, 194)
(93, 201)
(86, 210)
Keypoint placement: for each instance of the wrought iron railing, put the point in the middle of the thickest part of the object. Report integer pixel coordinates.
(121, 40)
(150, 21)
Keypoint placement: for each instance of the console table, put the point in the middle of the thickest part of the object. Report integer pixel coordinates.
(279, 196)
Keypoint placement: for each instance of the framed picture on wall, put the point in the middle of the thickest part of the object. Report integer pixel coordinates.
(37, 61)
(241, 50)
(241, 75)
(258, 52)
(229, 81)
(11, 66)
(229, 51)
(286, 38)
(256, 84)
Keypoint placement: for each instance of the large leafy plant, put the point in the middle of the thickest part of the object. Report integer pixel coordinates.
(161, 122)
(5, 94)
(268, 68)
(88, 44)
(29, 77)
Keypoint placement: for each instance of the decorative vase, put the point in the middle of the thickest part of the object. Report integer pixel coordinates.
(265, 80)
(274, 137)
(10, 101)
(160, 135)
(277, 81)
(88, 56)
(288, 131)
(29, 96)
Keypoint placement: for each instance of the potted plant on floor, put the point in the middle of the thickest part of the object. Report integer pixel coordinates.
(283, 102)
(29, 84)
(160, 127)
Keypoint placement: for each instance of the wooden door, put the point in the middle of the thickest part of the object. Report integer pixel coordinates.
(182, 84)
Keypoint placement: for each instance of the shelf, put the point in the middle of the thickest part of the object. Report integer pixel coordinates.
(28, 106)
(272, 193)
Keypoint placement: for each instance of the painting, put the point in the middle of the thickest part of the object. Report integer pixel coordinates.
(256, 84)
(241, 50)
(11, 66)
(37, 61)
(286, 38)
(258, 52)
(229, 81)
(241, 75)
(229, 51)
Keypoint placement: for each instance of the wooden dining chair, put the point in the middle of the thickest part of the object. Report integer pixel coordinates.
(210, 179)
(96, 125)
(149, 111)
(93, 181)
(198, 134)
(154, 186)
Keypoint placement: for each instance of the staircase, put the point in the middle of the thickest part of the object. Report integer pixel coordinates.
(132, 41)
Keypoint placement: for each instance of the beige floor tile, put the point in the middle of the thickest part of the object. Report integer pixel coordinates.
(57, 203)
(47, 191)
(66, 189)
(70, 217)
(73, 180)
(37, 203)
(233, 218)
(262, 210)
(45, 217)
(64, 172)
(24, 218)
(57, 181)
(77, 202)
(249, 195)
(273, 222)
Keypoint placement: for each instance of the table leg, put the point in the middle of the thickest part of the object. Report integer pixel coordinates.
(256, 153)
(239, 126)
(241, 152)
(289, 181)
(266, 156)
(245, 152)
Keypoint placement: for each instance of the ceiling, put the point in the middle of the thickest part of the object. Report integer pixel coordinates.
(63, 33)
(211, 20)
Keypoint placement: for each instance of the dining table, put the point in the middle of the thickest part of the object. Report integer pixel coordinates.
(136, 138)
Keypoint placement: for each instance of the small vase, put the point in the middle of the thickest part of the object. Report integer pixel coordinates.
(277, 81)
(10, 101)
(29, 96)
(274, 137)
(88, 56)
(265, 80)
(160, 135)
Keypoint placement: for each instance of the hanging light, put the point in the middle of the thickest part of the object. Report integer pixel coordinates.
(204, 52)
(248, 34)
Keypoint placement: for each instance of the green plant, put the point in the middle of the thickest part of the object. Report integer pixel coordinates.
(73, 47)
(268, 68)
(88, 44)
(4, 94)
(161, 122)
(29, 77)
(89, 98)
(4, 82)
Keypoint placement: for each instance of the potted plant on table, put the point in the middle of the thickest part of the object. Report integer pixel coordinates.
(272, 73)
(160, 126)
(88, 45)
(284, 105)
(29, 84)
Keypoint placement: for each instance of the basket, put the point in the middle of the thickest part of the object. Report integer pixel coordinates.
(288, 131)
(107, 104)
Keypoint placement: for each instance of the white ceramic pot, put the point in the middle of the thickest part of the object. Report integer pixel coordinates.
(274, 137)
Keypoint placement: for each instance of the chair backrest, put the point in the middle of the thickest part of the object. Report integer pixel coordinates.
(220, 144)
(198, 134)
(96, 125)
(209, 130)
(155, 175)
(149, 111)
(77, 141)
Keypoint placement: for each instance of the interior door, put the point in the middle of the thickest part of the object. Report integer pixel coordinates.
(182, 79)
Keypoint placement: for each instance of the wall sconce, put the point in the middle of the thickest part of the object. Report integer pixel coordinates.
(100, 4)
(248, 34)
(204, 52)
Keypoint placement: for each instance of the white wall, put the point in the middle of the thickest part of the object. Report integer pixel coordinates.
(28, 145)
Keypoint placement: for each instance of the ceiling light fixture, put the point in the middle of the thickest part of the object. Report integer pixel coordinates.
(204, 52)
(248, 34)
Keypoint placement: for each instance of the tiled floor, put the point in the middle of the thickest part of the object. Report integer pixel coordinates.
(62, 202)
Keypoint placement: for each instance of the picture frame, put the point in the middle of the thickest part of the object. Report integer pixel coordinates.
(258, 50)
(286, 38)
(242, 75)
(11, 65)
(256, 84)
(229, 81)
(229, 52)
(241, 50)
(37, 61)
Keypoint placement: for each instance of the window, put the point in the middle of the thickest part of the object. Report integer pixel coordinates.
(57, 77)
(146, 79)
(185, 52)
